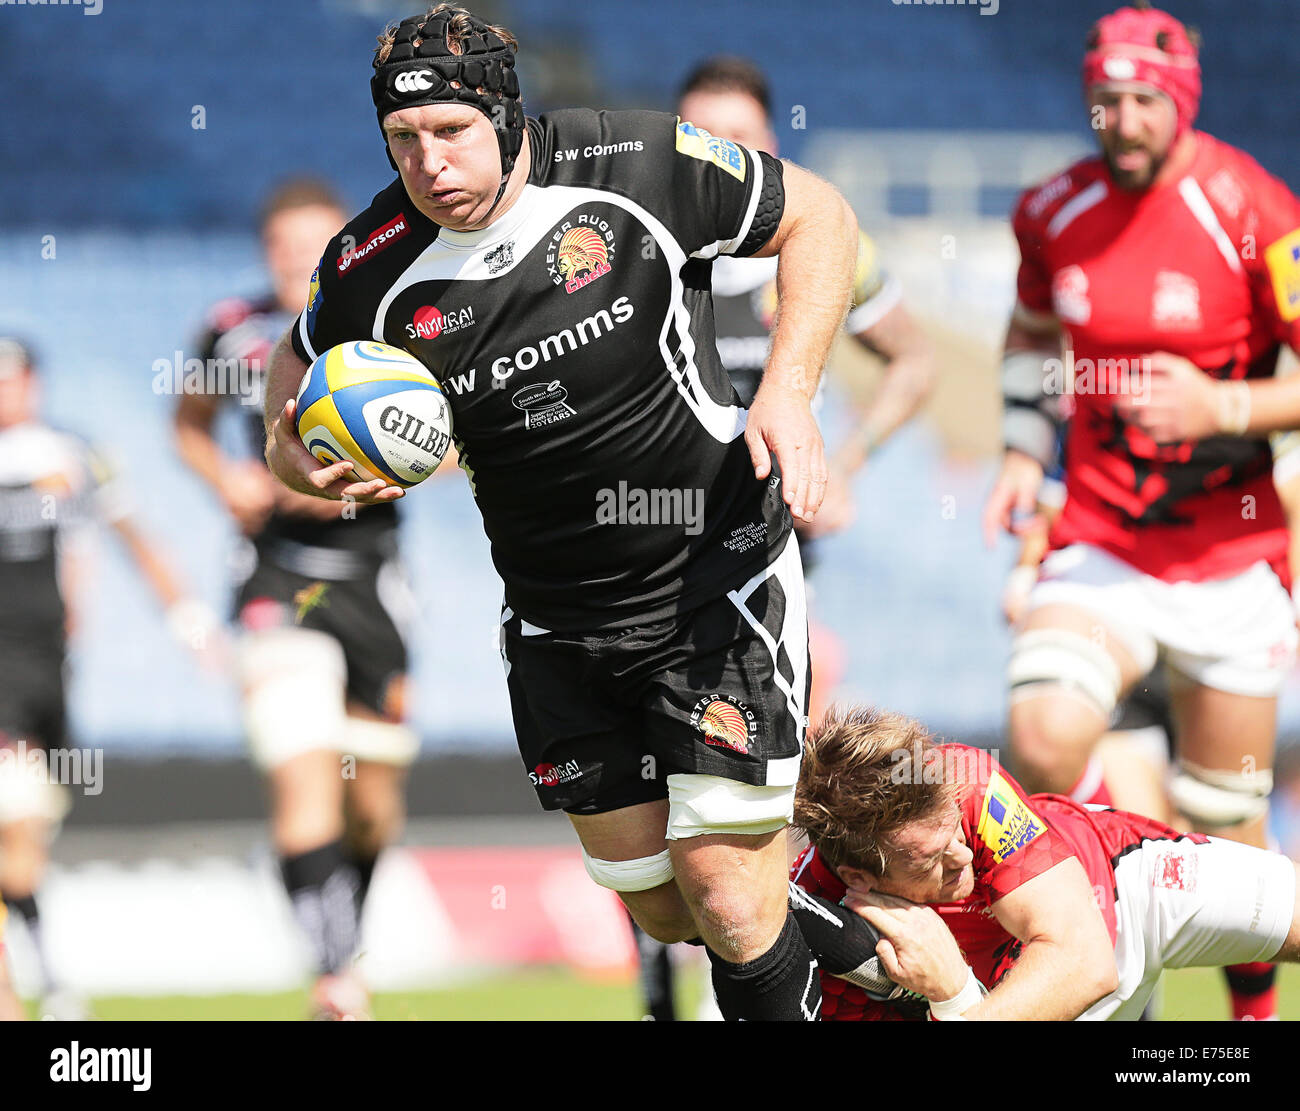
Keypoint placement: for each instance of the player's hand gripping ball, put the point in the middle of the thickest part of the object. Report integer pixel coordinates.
(378, 407)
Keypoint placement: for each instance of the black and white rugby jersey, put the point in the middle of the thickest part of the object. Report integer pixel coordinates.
(235, 343)
(574, 339)
(51, 484)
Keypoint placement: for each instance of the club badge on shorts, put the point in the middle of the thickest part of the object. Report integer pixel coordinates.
(726, 722)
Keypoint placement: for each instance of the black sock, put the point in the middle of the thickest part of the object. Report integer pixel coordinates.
(1250, 979)
(24, 906)
(782, 985)
(656, 975)
(322, 886)
(365, 866)
(841, 940)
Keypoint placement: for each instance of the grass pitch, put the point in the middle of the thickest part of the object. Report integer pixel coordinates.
(550, 994)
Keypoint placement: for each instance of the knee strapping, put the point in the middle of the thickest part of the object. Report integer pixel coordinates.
(1217, 798)
(630, 875)
(1068, 660)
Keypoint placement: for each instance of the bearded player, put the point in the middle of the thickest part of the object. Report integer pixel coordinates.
(1171, 257)
(657, 670)
(993, 904)
(320, 613)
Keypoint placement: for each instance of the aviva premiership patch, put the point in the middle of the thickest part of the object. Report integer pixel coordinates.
(313, 299)
(708, 148)
(1007, 825)
(1283, 261)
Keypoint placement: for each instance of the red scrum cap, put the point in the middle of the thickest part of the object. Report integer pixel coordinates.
(1146, 46)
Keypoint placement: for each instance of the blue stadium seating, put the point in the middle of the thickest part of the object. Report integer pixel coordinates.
(284, 86)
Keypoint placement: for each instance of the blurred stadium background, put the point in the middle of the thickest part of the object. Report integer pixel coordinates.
(122, 220)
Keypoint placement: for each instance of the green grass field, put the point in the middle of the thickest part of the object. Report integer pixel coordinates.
(550, 994)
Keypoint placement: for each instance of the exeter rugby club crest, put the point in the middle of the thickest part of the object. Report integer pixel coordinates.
(726, 722)
(580, 250)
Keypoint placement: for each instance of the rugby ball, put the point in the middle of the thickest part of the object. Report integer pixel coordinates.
(377, 406)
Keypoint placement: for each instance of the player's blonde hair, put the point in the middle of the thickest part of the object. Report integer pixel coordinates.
(867, 773)
(457, 29)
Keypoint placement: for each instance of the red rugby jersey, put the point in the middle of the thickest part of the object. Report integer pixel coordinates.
(1206, 267)
(1014, 837)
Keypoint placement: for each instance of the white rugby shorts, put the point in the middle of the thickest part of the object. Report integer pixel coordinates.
(1234, 634)
(1183, 904)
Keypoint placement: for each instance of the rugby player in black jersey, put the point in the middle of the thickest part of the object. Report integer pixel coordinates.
(554, 275)
(53, 488)
(322, 657)
(729, 97)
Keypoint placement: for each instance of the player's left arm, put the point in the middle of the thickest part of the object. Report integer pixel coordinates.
(816, 245)
(908, 380)
(189, 619)
(1068, 960)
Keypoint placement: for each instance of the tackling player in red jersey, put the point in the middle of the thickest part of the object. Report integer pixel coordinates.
(995, 904)
(1170, 259)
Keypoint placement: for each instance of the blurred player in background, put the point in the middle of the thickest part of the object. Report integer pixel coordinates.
(994, 904)
(1133, 757)
(11, 1007)
(1170, 259)
(1284, 814)
(729, 97)
(1128, 766)
(53, 488)
(322, 658)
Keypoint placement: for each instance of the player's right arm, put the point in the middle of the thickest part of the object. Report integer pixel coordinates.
(243, 487)
(1031, 413)
(1068, 960)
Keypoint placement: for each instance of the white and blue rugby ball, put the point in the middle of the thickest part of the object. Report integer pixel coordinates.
(377, 406)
